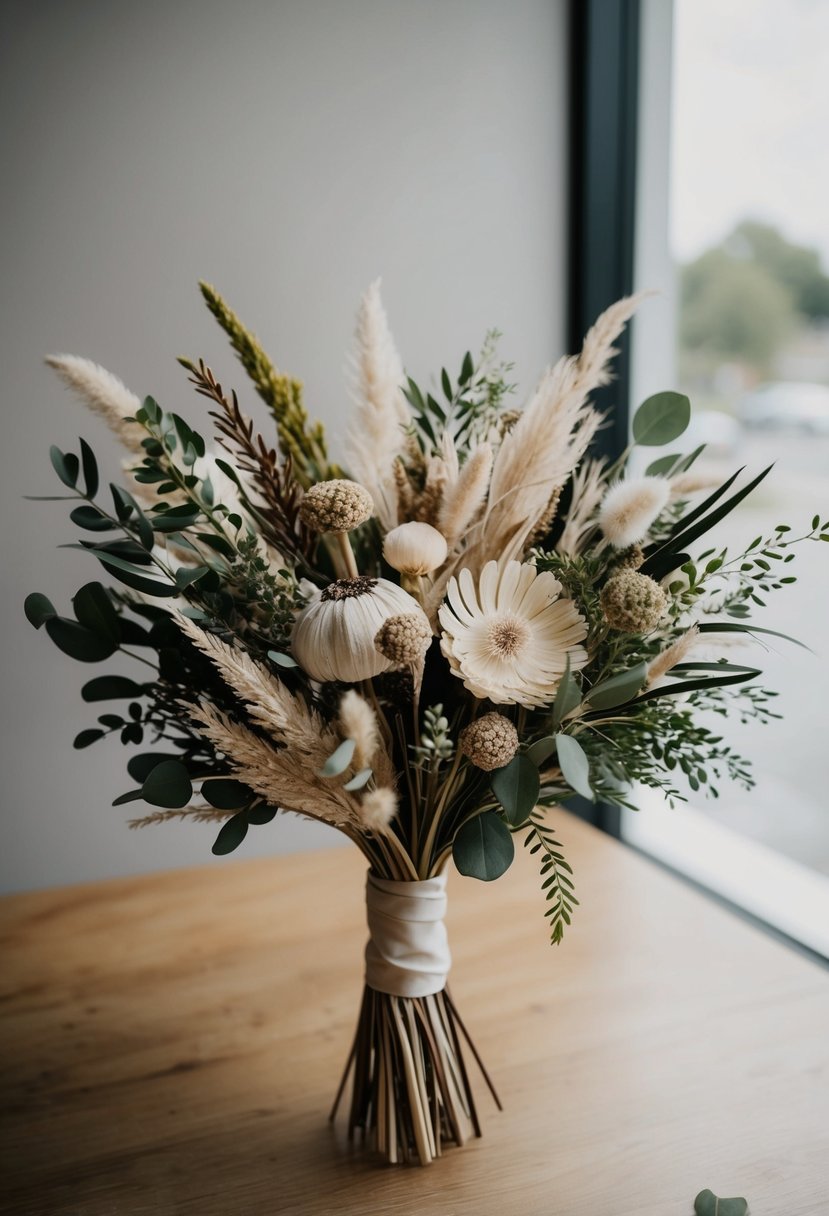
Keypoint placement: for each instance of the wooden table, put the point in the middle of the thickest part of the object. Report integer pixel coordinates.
(171, 1044)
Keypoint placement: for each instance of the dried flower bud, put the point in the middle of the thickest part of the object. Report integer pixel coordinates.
(630, 507)
(404, 638)
(415, 548)
(333, 637)
(632, 602)
(336, 506)
(489, 742)
(632, 557)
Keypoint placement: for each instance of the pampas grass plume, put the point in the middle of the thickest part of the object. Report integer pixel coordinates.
(630, 508)
(103, 393)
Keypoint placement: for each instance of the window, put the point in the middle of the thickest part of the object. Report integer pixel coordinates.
(732, 228)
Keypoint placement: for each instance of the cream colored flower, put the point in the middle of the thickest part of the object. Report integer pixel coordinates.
(415, 548)
(333, 637)
(629, 509)
(509, 638)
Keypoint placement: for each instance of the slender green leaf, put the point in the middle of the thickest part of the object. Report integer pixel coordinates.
(541, 750)
(90, 469)
(129, 796)
(568, 695)
(339, 760)
(38, 609)
(357, 782)
(226, 794)
(87, 737)
(185, 575)
(574, 765)
(96, 612)
(91, 519)
(132, 576)
(281, 660)
(110, 688)
(483, 847)
(736, 627)
(260, 814)
(231, 835)
(661, 419)
(619, 688)
(65, 465)
(516, 787)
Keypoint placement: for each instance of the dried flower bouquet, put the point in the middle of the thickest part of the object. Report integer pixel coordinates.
(429, 653)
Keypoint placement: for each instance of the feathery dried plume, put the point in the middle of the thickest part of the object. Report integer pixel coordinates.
(270, 704)
(275, 775)
(674, 654)
(195, 814)
(375, 436)
(377, 809)
(105, 394)
(464, 498)
(358, 721)
(630, 507)
(691, 482)
(588, 487)
(544, 447)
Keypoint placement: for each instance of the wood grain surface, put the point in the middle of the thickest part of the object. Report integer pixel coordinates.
(171, 1044)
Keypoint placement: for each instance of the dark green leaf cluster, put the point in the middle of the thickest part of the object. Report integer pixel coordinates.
(470, 405)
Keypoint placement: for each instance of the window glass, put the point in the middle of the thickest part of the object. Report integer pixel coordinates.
(749, 235)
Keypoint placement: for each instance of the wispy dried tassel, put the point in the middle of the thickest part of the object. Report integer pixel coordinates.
(376, 430)
(462, 503)
(377, 809)
(276, 775)
(631, 507)
(546, 444)
(104, 394)
(358, 721)
(588, 488)
(674, 654)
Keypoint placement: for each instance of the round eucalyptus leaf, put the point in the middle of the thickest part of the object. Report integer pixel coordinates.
(225, 794)
(168, 785)
(483, 848)
(516, 787)
(38, 609)
(661, 419)
(78, 642)
(87, 737)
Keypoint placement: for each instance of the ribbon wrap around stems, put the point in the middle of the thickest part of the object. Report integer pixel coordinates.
(408, 951)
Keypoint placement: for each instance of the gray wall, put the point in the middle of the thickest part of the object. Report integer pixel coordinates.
(288, 151)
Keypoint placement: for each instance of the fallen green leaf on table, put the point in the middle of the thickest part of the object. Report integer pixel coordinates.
(709, 1204)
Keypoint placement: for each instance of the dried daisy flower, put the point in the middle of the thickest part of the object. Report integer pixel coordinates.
(336, 506)
(333, 638)
(489, 742)
(404, 638)
(633, 602)
(509, 638)
(629, 508)
(415, 548)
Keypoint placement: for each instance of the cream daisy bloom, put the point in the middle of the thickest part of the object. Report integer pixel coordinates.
(509, 639)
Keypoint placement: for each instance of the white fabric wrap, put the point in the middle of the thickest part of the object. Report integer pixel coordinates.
(408, 951)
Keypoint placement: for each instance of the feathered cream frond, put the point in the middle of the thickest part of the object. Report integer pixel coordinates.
(631, 507)
(547, 442)
(672, 655)
(358, 721)
(105, 394)
(270, 704)
(589, 486)
(376, 430)
(463, 500)
(278, 776)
